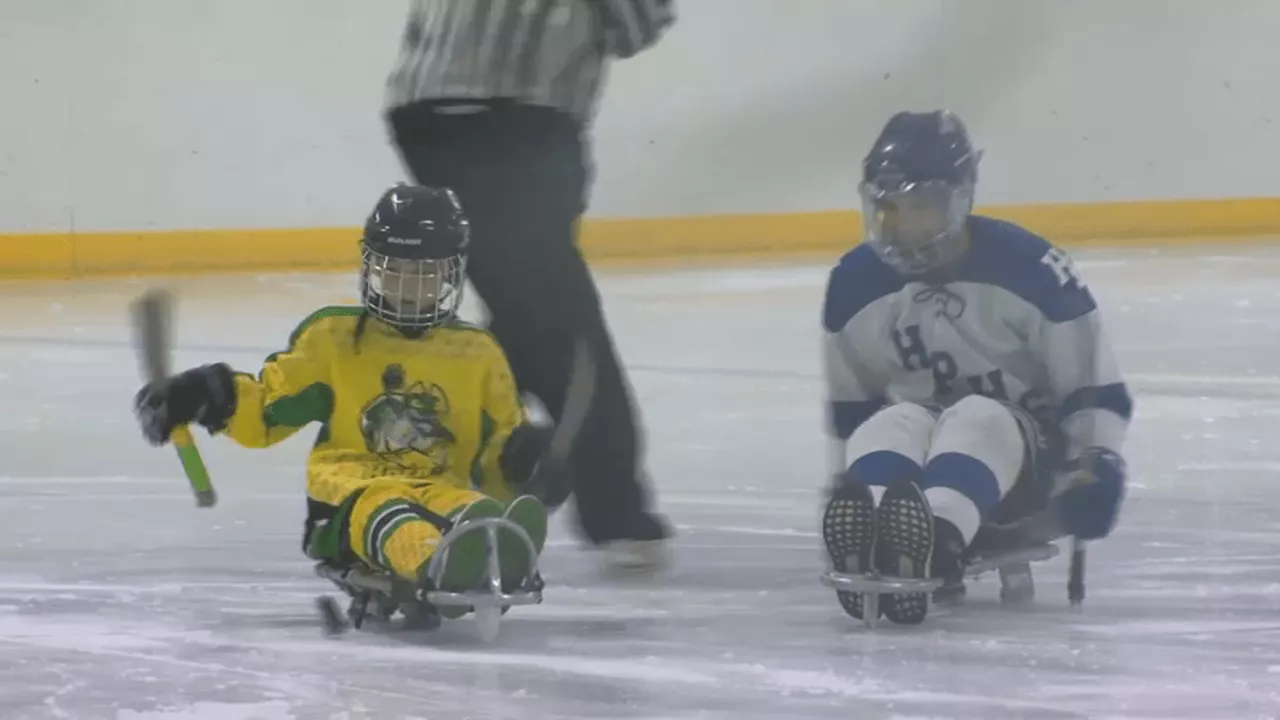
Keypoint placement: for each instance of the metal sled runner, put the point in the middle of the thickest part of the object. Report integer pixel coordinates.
(387, 594)
(1014, 566)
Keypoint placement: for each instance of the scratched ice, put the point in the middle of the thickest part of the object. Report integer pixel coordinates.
(120, 599)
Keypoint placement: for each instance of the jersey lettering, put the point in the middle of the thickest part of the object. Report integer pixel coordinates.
(916, 356)
(1063, 267)
(911, 349)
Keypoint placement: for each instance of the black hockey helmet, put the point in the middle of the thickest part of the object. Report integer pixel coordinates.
(415, 252)
(918, 184)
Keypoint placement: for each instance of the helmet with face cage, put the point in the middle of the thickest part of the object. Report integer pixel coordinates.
(414, 257)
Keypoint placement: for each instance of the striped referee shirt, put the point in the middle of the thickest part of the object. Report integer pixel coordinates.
(543, 52)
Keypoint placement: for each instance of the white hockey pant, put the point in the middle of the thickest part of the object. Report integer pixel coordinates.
(966, 459)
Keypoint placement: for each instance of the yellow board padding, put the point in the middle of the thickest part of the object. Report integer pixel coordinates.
(614, 241)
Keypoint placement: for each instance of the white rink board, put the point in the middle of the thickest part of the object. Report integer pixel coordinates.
(190, 114)
(120, 600)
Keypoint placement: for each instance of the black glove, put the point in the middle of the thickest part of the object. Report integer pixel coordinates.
(204, 395)
(1091, 504)
(528, 469)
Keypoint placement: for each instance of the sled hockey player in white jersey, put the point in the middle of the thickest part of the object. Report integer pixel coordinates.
(974, 402)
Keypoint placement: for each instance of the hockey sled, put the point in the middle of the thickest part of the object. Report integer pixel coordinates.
(380, 595)
(1014, 567)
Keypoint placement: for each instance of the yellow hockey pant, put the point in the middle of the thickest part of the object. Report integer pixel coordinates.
(396, 525)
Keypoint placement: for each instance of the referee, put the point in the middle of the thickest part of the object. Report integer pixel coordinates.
(494, 99)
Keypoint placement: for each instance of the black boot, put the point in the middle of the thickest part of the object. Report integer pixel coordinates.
(848, 529)
(904, 549)
(647, 525)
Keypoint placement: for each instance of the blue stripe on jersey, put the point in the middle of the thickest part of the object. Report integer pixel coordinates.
(1114, 397)
(847, 415)
(859, 279)
(1000, 253)
(966, 475)
(883, 467)
(1027, 265)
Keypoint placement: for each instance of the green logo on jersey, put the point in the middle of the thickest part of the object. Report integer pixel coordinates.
(406, 421)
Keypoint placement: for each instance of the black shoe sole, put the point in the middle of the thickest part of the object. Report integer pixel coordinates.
(848, 529)
(904, 549)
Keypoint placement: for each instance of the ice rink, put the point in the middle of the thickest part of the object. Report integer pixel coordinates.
(119, 599)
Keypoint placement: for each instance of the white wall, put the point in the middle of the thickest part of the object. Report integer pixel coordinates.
(172, 114)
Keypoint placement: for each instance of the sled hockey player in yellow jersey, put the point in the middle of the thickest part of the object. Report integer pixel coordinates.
(420, 425)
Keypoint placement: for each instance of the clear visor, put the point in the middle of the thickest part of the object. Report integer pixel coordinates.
(918, 227)
(413, 293)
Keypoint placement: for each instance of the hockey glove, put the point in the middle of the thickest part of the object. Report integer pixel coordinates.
(1089, 507)
(528, 469)
(204, 395)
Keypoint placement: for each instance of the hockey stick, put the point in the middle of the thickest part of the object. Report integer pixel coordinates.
(577, 404)
(1047, 526)
(1075, 585)
(1075, 581)
(151, 321)
(579, 394)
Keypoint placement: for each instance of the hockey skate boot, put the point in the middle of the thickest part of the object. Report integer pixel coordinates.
(487, 562)
(948, 562)
(463, 565)
(904, 545)
(848, 529)
(530, 515)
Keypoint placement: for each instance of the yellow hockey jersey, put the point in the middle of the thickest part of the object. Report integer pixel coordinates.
(437, 408)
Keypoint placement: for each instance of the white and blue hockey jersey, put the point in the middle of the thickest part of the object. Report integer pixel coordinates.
(1013, 321)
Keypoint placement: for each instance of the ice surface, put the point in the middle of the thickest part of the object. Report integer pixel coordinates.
(120, 599)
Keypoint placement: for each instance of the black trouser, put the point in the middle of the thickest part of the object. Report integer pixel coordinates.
(521, 175)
